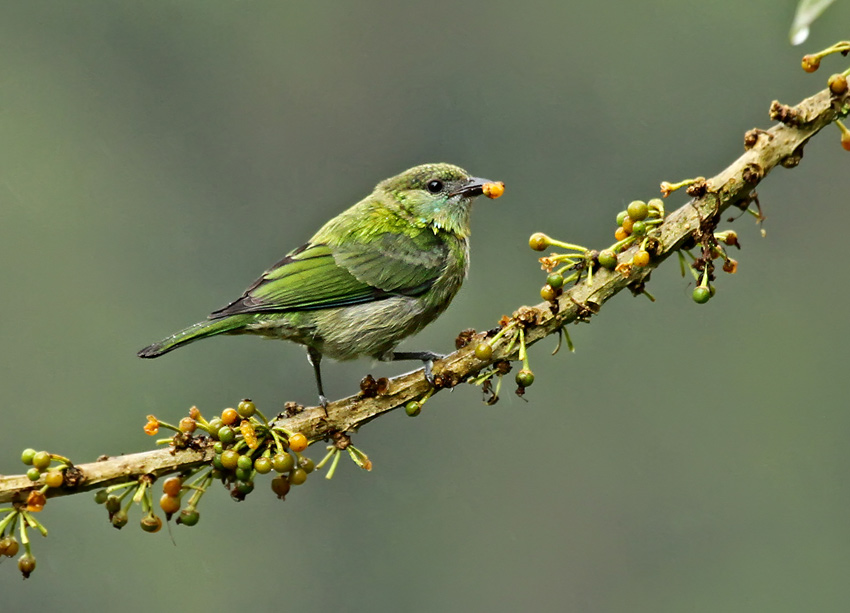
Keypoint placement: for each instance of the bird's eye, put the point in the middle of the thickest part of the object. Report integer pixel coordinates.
(435, 186)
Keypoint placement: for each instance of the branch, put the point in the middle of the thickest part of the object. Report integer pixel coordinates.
(780, 145)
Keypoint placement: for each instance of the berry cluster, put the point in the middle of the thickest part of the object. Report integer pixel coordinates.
(702, 268)
(511, 332)
(20, 515)
(21, 518)
(634, 225)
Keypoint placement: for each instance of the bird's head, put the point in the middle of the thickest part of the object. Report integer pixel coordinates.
(439, 195)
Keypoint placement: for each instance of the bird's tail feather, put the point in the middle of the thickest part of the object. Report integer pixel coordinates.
(200, 330)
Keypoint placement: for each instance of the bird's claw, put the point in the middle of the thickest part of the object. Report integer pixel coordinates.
(429, 366)
(429, 375)
(324, 402)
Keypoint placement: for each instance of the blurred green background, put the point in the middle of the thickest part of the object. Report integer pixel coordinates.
(155, 157)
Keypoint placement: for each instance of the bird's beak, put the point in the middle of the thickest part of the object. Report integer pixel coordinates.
(478, 186)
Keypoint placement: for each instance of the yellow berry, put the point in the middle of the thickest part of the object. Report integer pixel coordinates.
(539, 241)
(641, 258)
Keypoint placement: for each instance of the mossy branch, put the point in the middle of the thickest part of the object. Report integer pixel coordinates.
(765, 149)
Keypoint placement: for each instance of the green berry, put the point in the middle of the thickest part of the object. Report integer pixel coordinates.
(244, 486)
(218, 447)
(307, 465)
(151, 523)
(229, 459)
(483, 351)
(100, 496)
(556, 280)
(188, 517)
(282, 462)
(226, 434)
(120, 518)
(607, 259)
(41, 460)
(243, 474)
(639, 228)
(246, 408)
(263, 465)
(524, 378)
(27, 455)
(701, 294)
(621, 217)
(637, 210)
(412, 408)
(33, 474)
(245, 462)
(298, 476)
(216, 462)
(113, 503)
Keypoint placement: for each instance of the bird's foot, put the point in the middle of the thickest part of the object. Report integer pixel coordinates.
(427, 358)
(324, 402)
(429, 366)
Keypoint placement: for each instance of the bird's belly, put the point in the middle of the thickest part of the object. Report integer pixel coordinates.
(371, 329)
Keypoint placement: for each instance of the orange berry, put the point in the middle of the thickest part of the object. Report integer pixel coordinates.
(169, 504)
(152, 427)
(493, 190)
(620, 234)
(172, 485)
(837, 84)
(229, 416)
(810, 63)
(297, 442)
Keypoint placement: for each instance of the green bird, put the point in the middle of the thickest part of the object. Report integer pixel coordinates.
(373, 275)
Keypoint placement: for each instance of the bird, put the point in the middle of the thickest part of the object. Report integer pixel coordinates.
(373, 275)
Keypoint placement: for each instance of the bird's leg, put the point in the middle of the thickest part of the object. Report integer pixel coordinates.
(315, 359)
(427, 358)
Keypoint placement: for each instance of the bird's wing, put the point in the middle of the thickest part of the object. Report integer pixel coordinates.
(319, 276)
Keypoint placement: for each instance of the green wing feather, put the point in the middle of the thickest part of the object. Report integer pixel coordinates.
(320, 276)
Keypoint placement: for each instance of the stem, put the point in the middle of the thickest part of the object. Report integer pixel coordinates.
(334, 464)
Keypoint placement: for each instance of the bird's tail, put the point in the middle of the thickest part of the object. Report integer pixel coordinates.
(200, 330)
